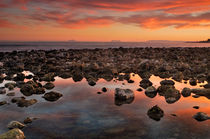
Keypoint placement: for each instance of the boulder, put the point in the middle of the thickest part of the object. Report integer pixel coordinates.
(186, 92)
(151, 92)
(13, 134)
(207, 86)
(123, 96)
(10, 86)
(15, 124)
(193, 82)
(201, 92)
(52, 96)
(155, 113)
(27, 89)
(200, 116)
(167, 82)
(22, 102)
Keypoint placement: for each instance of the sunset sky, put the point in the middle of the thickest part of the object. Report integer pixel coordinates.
(104, 20)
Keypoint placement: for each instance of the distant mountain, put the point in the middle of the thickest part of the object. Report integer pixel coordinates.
(207, 41)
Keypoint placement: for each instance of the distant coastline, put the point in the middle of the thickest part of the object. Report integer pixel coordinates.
(207, 41)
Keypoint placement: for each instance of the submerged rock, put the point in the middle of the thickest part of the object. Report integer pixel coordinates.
(11, 94)
(104, 89)
(123, 96)
(186, 92)
(22, 102)
(13, 134)
(27, 89)
(27, 120)
(155, 113)
(196, 107)
(139, 89)
(200, 116)
(3, 103)
(52, 96)
(15, 124)
(201, 92)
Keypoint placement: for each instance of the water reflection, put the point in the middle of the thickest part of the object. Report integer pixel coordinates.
(81, 113)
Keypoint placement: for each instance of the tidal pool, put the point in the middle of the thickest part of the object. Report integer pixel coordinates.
(82, 113)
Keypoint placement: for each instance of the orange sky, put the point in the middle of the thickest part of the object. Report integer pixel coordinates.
(104, 20)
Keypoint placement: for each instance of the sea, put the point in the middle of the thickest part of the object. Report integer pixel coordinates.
(50, 45)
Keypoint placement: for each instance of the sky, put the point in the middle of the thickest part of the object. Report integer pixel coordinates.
(104, 20)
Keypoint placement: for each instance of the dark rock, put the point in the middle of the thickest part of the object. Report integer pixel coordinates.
(139, 89)
(200, 116)
(28, 89)
(49, 86)
(99, 93)
(91, 83)
(10, 86)
(123, 96)
(207, 86)
(3, 103)
(193, 82)
(104, 89)
(130, 81)
(186, 92)
(167, 82)
(155, 113)
(145, 83)
(195, 96)
(201, 92)
(52, 96)
(11, 94)
(151, 92)
(196, 107)
(22, 102)
(2, 90)
(174, 115)
(27, 120)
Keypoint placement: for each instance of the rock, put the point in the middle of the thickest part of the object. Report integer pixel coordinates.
(123, 96)
(145, 83)
(173, 115)
(104, 89)
(1, 64)
(11, 94)
(196, 107)
(27, 120)
(15, 124)
(28, 89)
(155, 113)
(13, 134)
(207, 86)
(130, 81)
(91, 83)
(167, 82)
(99, 93)
(195, 96)
(3, 103)
(49, 86)
(201, 92)
(22, 102)
(200, 116)
(2, 90)
(52, 96)
(193, 82)
(139, 89)
(186, 92)
(151, 92)
(77, 77)
(10, 86)
(178, 76)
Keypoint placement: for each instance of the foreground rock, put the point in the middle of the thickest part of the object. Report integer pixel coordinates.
(52, 96)
(200, 116)
(123, 96)
(49, 86)
(186, 92)
(201, 92)
(155, 113)
(13, 134)
(15, 124)
(145, 83)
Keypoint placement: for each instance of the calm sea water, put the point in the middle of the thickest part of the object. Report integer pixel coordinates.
(10, 46)
(82, 113)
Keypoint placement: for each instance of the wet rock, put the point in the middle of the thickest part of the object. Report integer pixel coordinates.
(2, 90)
(155, 113)
(195, 96)
(48, 77)
(91, 83)
(200, 116)
(145, 83)
(173, 115)
(3, 103)
(13, 134)
(139, 89)
(178, 76)
(19, 77)
(130, 81)
(104, 89)
(77, 77)
(10, 86)
(15, 124)
(193, 82)
(151, 92)
(123, 96)
(22, 102)
(196, 107)
(186, 92)
(99, 93)
(207, 86)
(49, 86)
(167, 82)
(52, 96)
(11, 94)
(201, 92)
(28, 120)
(28, 89)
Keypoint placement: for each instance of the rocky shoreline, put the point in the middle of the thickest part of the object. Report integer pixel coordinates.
(181, 64)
